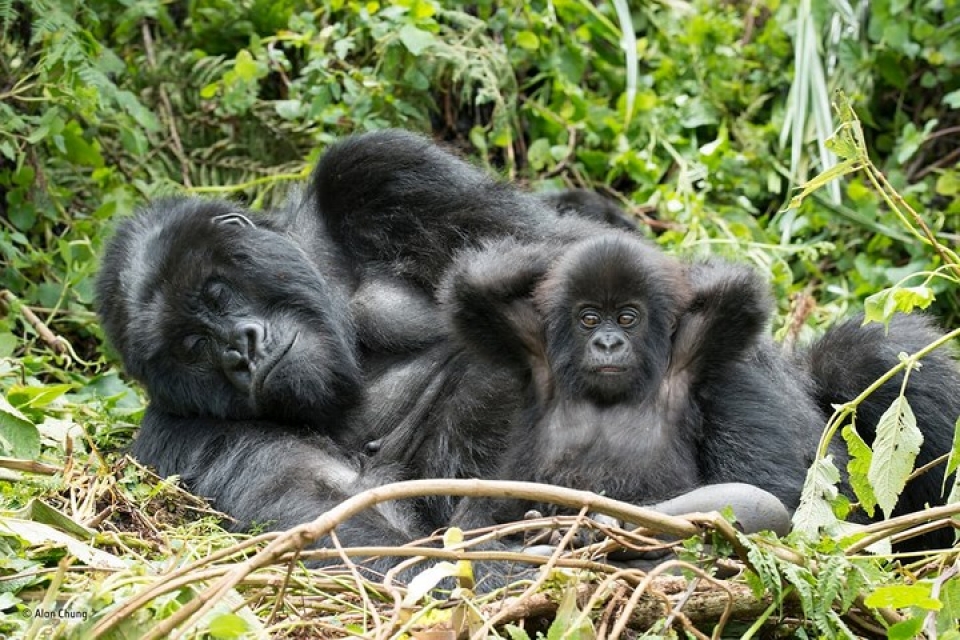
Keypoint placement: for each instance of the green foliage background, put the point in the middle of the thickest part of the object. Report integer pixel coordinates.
(106, 103)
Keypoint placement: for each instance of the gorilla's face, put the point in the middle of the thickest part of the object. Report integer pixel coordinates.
(610, 304)
(225, 317)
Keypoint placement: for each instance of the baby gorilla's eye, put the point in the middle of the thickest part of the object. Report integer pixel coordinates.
(590, 319)
(627, 318)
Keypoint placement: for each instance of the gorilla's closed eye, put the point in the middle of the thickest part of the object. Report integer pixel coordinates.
(235, 219)
(216, 295)
(193, 344)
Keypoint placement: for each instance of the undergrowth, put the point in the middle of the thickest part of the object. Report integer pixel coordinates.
(104, 104)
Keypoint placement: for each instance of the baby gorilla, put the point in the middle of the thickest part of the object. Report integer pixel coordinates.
(645, 378)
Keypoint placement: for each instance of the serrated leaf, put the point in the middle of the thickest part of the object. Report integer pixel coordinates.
(881, 306)
(894, 451)
(857, 468)
(900, 596)
(819, 490)
(842, 142)
(765, 565)
(850, 532)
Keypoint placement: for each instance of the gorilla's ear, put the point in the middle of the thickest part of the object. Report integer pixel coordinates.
(234, 218)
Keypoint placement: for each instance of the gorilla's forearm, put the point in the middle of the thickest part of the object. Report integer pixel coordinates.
(263, 475)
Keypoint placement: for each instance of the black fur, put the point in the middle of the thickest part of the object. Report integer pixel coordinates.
(852, 356)
(645, 378)
(402, 206)
(277, 347)
(253, 333)
(589, 204)
(227, 320)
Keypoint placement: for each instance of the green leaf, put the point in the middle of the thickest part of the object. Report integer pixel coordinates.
(948, 183)
(837, 171)
(912, 138)
(858, 466)
(8, 344)
(41, 535)
(39, 511)
(565, 625)
(952, 99)
(78, 150)
(819, 490)
(19, 438)
(228, 626)
(516, 633)
(288, 109)
(144, 117)
(8, 150)
(528, 40)
(210, 90)
(245, 66)
(900, 596)
(415, 40)
(538, 154)
(905, 630)
(894, 451)
(37, 396)
(952, 463)
(881, 306)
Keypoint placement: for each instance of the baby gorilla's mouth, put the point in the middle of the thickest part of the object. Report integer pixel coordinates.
(609, 369)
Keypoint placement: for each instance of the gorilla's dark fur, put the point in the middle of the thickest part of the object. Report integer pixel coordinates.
(646, 377)
(852, 356)
(275, 347)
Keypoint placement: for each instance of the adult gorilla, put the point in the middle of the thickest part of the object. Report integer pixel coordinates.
(247, 353)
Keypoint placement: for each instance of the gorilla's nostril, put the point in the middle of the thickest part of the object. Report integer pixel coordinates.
(235, 361)
(248, 339)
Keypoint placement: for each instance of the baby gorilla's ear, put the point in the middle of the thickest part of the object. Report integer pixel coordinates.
(729, 291)
(726, 312)
(487, 296)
